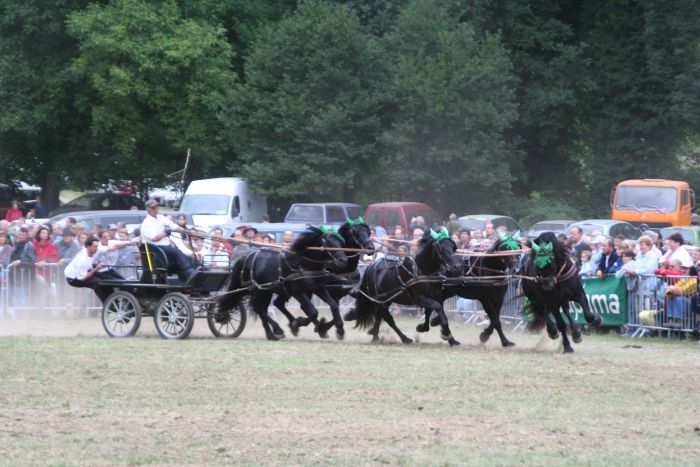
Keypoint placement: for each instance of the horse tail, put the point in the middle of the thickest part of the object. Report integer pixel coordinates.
(233, 295)
(537, 317)
(363, 312)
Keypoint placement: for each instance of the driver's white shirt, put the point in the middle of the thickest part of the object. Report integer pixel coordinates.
(152, 226)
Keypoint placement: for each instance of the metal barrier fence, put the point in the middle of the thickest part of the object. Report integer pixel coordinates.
(650, 305)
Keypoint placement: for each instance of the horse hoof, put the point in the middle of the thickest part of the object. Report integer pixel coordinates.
(422, 327)
(349, 316)
(553, 336)
(280, 335)
(445, 337)
(407, 340)
(483, 337)
(597, 321)
(577, 339)
(340, 334)
(454, 342)
(294, 328)
(434, 321)
(508, 344)
(568, 350)
(272, 337)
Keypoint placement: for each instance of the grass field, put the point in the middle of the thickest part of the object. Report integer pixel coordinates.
(89, 400)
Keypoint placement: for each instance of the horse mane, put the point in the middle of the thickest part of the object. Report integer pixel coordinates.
(344, 231)
(310, 237)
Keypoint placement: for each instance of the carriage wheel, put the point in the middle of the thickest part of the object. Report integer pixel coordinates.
(230, 324)
(174, 316)
(121, 314)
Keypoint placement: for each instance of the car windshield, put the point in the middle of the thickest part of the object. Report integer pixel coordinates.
(688, 235)
(305, 213)
(472, 224)
(84, 201)
(548, 226)
(354, 212)
(216, 205)
(588, 228)
(646, 198)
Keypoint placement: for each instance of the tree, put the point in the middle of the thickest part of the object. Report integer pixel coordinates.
(41, 133)
(305, 123)
(453, 99)
(155, 81)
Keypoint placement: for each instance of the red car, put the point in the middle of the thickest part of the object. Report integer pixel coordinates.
(389, 215)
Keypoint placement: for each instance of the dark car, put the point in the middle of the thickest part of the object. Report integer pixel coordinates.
(104, 201)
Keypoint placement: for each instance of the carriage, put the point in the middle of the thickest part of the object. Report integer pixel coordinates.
(173, 304)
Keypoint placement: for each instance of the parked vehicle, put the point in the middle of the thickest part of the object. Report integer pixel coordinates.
(102, 201)
(690, 233)
(323, 213)
(556, 226)
(17, 191)
(478, 221)
(167, 196)
(131, 218)
(219, 201)
(608, 227)
(275, 228)
(656, 203)
(389, 215)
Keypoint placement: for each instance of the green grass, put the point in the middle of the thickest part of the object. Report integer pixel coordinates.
(94, 400)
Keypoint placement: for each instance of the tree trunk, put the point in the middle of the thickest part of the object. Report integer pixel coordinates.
(50, 190)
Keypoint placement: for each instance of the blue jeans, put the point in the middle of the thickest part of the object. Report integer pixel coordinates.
(676, 307)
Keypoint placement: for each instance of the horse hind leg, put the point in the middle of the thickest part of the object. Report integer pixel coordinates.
(337, 321)
(593, 319)
(561, 325)
(427, 322)
(280, 303)
(260, 304)
(387, 316)
(493, 310)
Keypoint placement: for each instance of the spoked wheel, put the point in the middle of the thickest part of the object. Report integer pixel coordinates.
(228, 324)
(121, 314)
(174, 316)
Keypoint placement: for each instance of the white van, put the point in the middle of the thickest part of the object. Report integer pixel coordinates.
(219, 201)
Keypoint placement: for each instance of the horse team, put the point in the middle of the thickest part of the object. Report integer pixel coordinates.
(324, 262)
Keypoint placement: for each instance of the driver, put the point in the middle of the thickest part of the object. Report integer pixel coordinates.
(156, 229)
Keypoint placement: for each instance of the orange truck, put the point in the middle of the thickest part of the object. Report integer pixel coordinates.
(656, 203)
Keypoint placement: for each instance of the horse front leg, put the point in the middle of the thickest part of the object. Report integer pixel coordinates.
(337, 321)
(575, 329)
(493, 311)
(593, 319)
(312, 314)
(260, 302)
(425, 325)
(561, 325)
(389, 318)
(445, 333)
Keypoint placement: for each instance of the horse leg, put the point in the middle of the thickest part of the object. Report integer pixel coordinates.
(425, 325)
(260, 302)
(281, 304)
(561, 325)
(593, 319)
(378, 311)
(311, 313)
(445, 333)
(493, 310)
(389, 318)
(575, 330)
(325, 295)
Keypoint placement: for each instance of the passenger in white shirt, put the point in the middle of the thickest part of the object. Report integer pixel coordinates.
(156, 229)
(83, 271)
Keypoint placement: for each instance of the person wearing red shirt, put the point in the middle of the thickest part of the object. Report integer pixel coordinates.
(45, 252)
(14, 212)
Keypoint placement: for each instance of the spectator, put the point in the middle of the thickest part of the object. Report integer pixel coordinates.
(609, 262)
(81, 238)
(588, 266)
(489, 231)
(265, 219)
(218, 242)
(14, 212)
(577, 242)
(465, 239)
(562, 239)
(418, 222)
(676, 251)
(112, 231)
(67, 248)
(40, 209)
(453, 225)
(477, 238)
(45, 252)
(21, 267)
(398, 233)
(646, 262)
(6, 249)
(618, 242)
(654, 237)
(417, 235)
(56, 234)
(288, 236)
(627, 258)
(127, 257)
(597, 248)
(678, 296)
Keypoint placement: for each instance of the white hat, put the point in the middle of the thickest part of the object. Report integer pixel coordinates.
(599, 239)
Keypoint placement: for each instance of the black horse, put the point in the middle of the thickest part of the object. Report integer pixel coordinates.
(486, 279)
(296, 273)
(410, 281)
(331, 289)
(551, 282)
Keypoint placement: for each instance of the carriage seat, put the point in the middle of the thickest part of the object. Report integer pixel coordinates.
(162, 267)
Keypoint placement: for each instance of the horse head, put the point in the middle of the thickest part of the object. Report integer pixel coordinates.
(324, 237)
(357, 234)
(546, 257)
(505, 263)
(436, 250)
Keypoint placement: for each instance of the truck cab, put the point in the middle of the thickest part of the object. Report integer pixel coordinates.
(654, 202)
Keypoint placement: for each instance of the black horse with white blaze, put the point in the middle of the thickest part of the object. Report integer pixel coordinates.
(408, 281)
(297, 273)
(551, 282)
